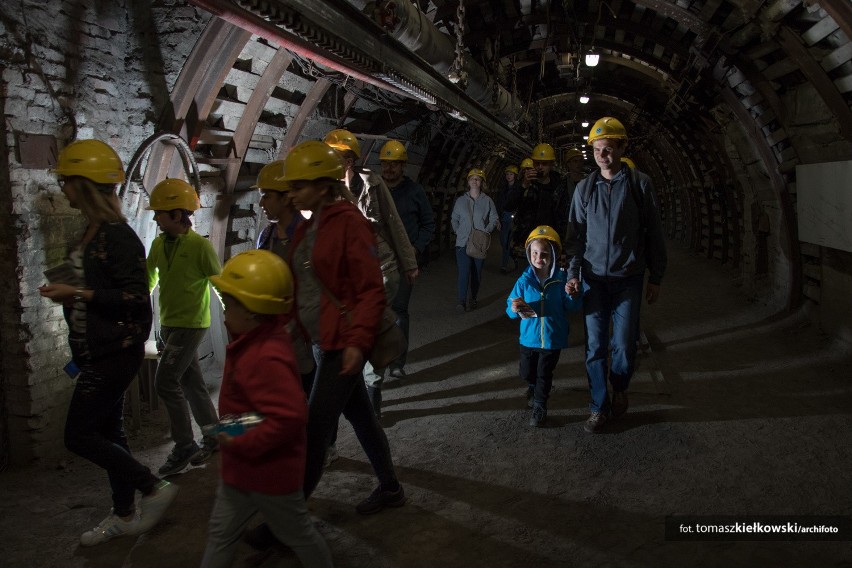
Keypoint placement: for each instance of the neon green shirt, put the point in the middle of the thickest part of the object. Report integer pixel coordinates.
(182, 266)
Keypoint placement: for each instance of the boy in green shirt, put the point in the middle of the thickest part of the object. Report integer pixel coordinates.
(182, 261)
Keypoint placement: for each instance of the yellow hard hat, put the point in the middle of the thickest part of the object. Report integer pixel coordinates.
(270, 176)
(476, 172)
(544, 232)
(630, 163)
(171, 194)
(573, 153)
(313, 160)
(527, 163)
(607, 127)
(511, 169)
(343, 140)
(259, 280)
(91, 159)
(393, 151)
(544, 153)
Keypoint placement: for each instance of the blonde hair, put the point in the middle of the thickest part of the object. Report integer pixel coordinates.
(98, 202)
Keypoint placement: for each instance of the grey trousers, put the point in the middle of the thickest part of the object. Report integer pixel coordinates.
(181, 385)
(286, 515)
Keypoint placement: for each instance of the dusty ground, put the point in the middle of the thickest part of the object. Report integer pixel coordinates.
(732, 412)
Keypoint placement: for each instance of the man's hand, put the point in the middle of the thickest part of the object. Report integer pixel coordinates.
(412, 275)
(572, 287)
(652, 292)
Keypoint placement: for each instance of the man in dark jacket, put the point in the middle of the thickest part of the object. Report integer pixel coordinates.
(615, 222)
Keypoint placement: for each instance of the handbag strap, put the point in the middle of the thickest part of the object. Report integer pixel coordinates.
(323, 288)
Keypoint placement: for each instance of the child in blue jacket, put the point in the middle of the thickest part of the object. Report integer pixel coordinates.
(540, 301)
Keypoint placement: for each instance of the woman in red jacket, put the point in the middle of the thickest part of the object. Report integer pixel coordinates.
(263, 466)
(340, 300)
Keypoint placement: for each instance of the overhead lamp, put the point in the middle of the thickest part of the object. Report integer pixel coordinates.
(584, 99)
(592, 58)
(585, 137)
(585, 124)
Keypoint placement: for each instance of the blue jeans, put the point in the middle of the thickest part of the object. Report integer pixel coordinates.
(181, 385)
(400, 307)
(94, 429)
(332, 395)
(506, 238)
(470, 272)
(615, 301)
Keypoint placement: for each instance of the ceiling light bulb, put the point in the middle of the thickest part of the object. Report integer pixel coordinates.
(592, 58)
(584, 99)
(585, 124)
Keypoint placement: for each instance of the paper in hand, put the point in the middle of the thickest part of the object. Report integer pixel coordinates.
(63, 274)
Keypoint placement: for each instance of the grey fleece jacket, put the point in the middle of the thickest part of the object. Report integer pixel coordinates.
(617, 235)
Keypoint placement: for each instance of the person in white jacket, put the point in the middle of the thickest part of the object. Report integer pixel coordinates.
(474, 210)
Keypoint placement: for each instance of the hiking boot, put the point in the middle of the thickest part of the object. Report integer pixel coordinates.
(619, 403)
(154, 504)
(208, 447)
(108, 529)
(530, 393)
(460, 307)
(539, 415)
(595, 423)
(379, 499)
(178, 459)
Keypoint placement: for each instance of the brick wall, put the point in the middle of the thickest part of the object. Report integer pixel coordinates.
(69, 70)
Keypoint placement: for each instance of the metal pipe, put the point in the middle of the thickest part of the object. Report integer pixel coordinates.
(416, 32)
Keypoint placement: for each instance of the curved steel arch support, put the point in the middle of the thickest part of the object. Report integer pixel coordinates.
(790, 236)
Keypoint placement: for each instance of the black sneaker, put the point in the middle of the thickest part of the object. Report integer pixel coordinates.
(178, 459)
(619, 403)
(595, 423)
(208, 447)
(539, 416)
(397, 372)
(379, 499)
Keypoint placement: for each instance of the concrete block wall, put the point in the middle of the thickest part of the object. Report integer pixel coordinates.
(69, 69)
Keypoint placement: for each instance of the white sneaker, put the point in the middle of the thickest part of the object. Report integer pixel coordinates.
(108, 529)
(154, 506)
(331, 455)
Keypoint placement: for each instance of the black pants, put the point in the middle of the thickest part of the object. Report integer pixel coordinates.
(94, 428)
(536, 368)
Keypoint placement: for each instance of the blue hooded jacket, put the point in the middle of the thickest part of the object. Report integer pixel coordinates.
(549, 330)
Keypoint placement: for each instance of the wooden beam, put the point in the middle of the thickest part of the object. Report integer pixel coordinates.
(791, 43)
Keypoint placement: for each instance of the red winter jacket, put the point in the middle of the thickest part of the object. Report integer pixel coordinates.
(345, 260)
(261, 376)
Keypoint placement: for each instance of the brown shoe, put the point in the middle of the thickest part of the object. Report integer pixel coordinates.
(595, 423)
(619, 403)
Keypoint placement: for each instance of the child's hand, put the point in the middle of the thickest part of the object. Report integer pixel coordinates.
(519, 306)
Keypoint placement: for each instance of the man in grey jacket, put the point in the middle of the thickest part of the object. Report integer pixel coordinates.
(615, 224)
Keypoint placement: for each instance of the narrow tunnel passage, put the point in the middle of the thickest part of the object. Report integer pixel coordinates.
(733, 412)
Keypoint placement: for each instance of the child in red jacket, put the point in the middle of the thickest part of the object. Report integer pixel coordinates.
(263, 467)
